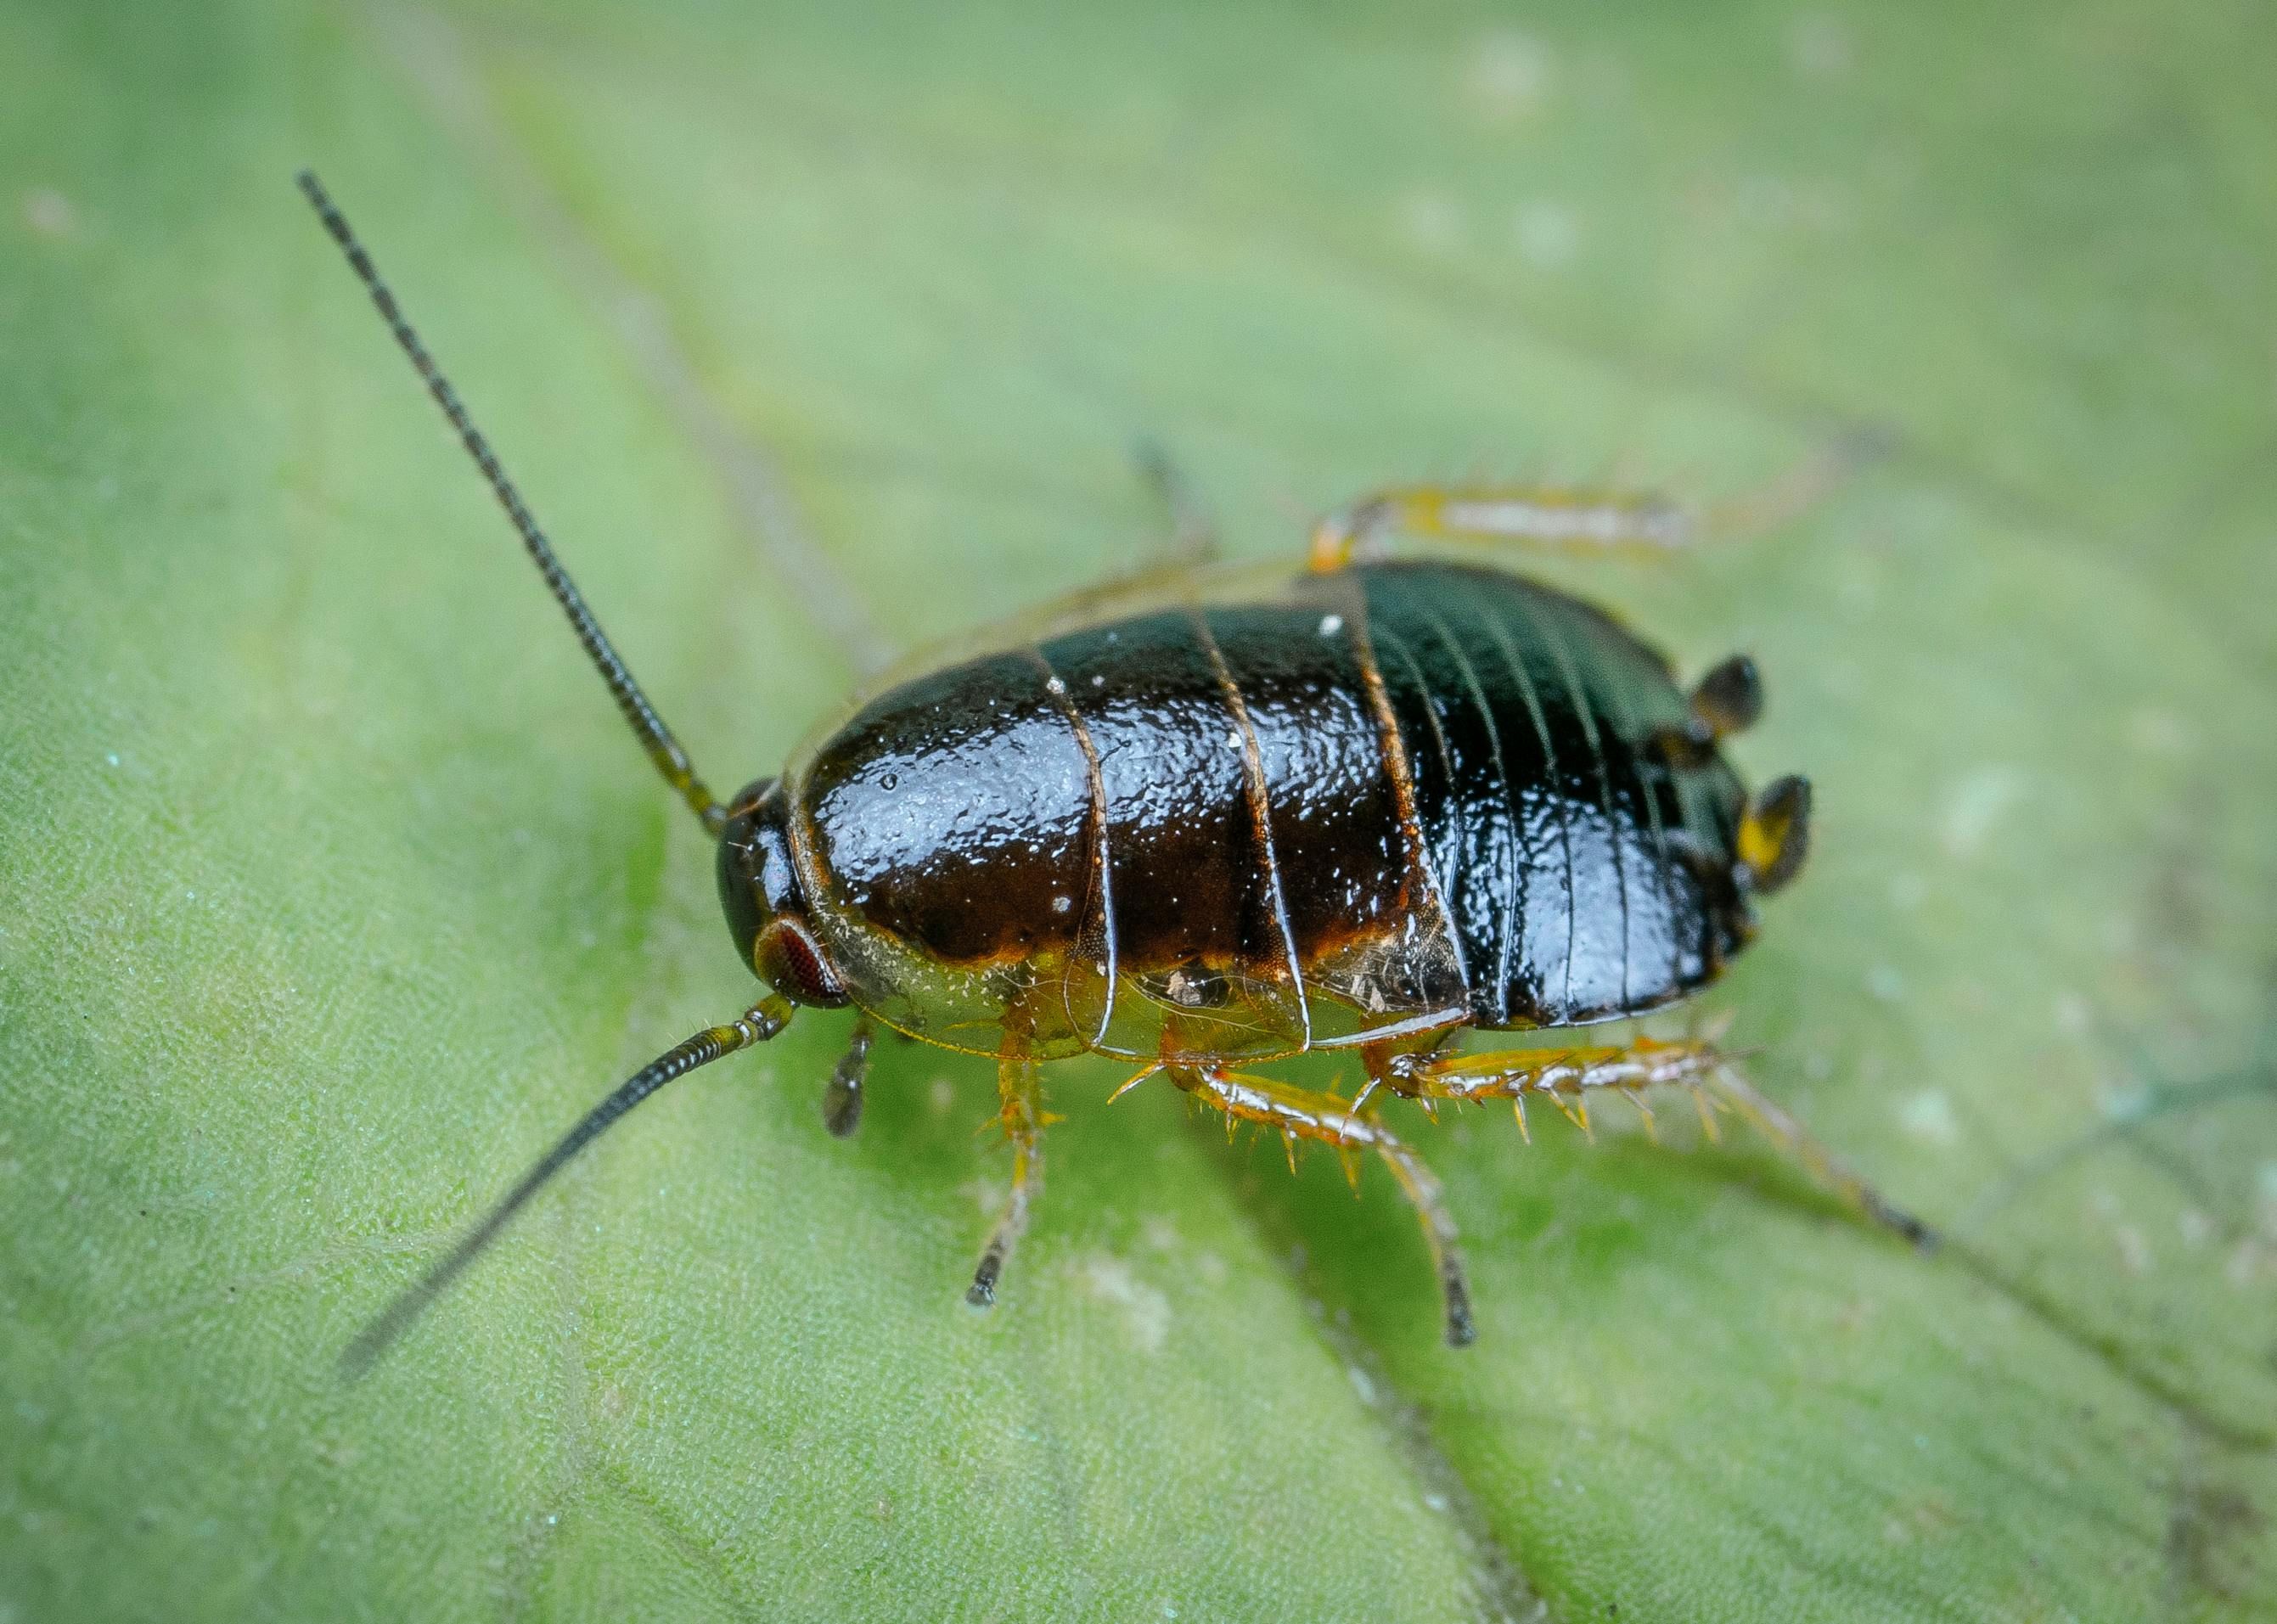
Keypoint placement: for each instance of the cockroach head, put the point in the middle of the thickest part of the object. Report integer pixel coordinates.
(767, 909)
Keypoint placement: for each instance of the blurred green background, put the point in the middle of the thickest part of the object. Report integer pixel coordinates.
(330, 890)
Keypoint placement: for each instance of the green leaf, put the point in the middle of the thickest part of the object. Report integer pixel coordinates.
(330, 890)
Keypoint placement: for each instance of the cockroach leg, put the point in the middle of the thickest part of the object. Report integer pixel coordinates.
(1020, 1112)
(841, 1101)
(1563, 1075)
(1193, 538)
(1826, 1169)
(1303, 1113)
(1711, 1076)
(1592, 518)
(1549, 515)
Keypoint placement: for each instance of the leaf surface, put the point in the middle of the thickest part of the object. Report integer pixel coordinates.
(330, 891)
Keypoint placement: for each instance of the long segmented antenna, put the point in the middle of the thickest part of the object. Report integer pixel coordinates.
(655, 738)
(763, 1020)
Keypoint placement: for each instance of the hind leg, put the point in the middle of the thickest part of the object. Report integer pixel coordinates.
(1570, 516)
(1304, 1113)
(1549, 516)
(1821, 1163)
(1568, 1076)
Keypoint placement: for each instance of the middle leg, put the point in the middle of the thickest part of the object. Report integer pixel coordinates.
(1304, 1113)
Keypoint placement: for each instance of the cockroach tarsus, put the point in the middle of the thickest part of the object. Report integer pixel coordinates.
(1213, 819)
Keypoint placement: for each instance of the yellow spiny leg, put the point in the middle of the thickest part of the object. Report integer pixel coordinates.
(1560, 1073)
(1829, 1169)
(1019, 1111)
(1711, 1076)
(1304, 1113)
(1547, 515)
(1570, 515)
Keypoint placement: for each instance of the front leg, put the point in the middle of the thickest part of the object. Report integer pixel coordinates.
(842, 1100)
(1020, 1110)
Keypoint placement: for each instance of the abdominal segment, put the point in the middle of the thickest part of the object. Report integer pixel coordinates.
(1393, 797)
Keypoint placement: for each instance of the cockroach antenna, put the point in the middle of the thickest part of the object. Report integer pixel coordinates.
(655, 738)
(762, 1021)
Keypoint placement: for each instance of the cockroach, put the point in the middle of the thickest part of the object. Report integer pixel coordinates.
(1229, 817)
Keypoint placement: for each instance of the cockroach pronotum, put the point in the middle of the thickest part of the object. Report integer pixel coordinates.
(1229, 817)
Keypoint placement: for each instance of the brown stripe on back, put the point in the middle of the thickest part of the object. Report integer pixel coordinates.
(1270, 945)
(1478, 825)
(1095, 936)
(1334, 815)
(1420, 888)
(1178, 841)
